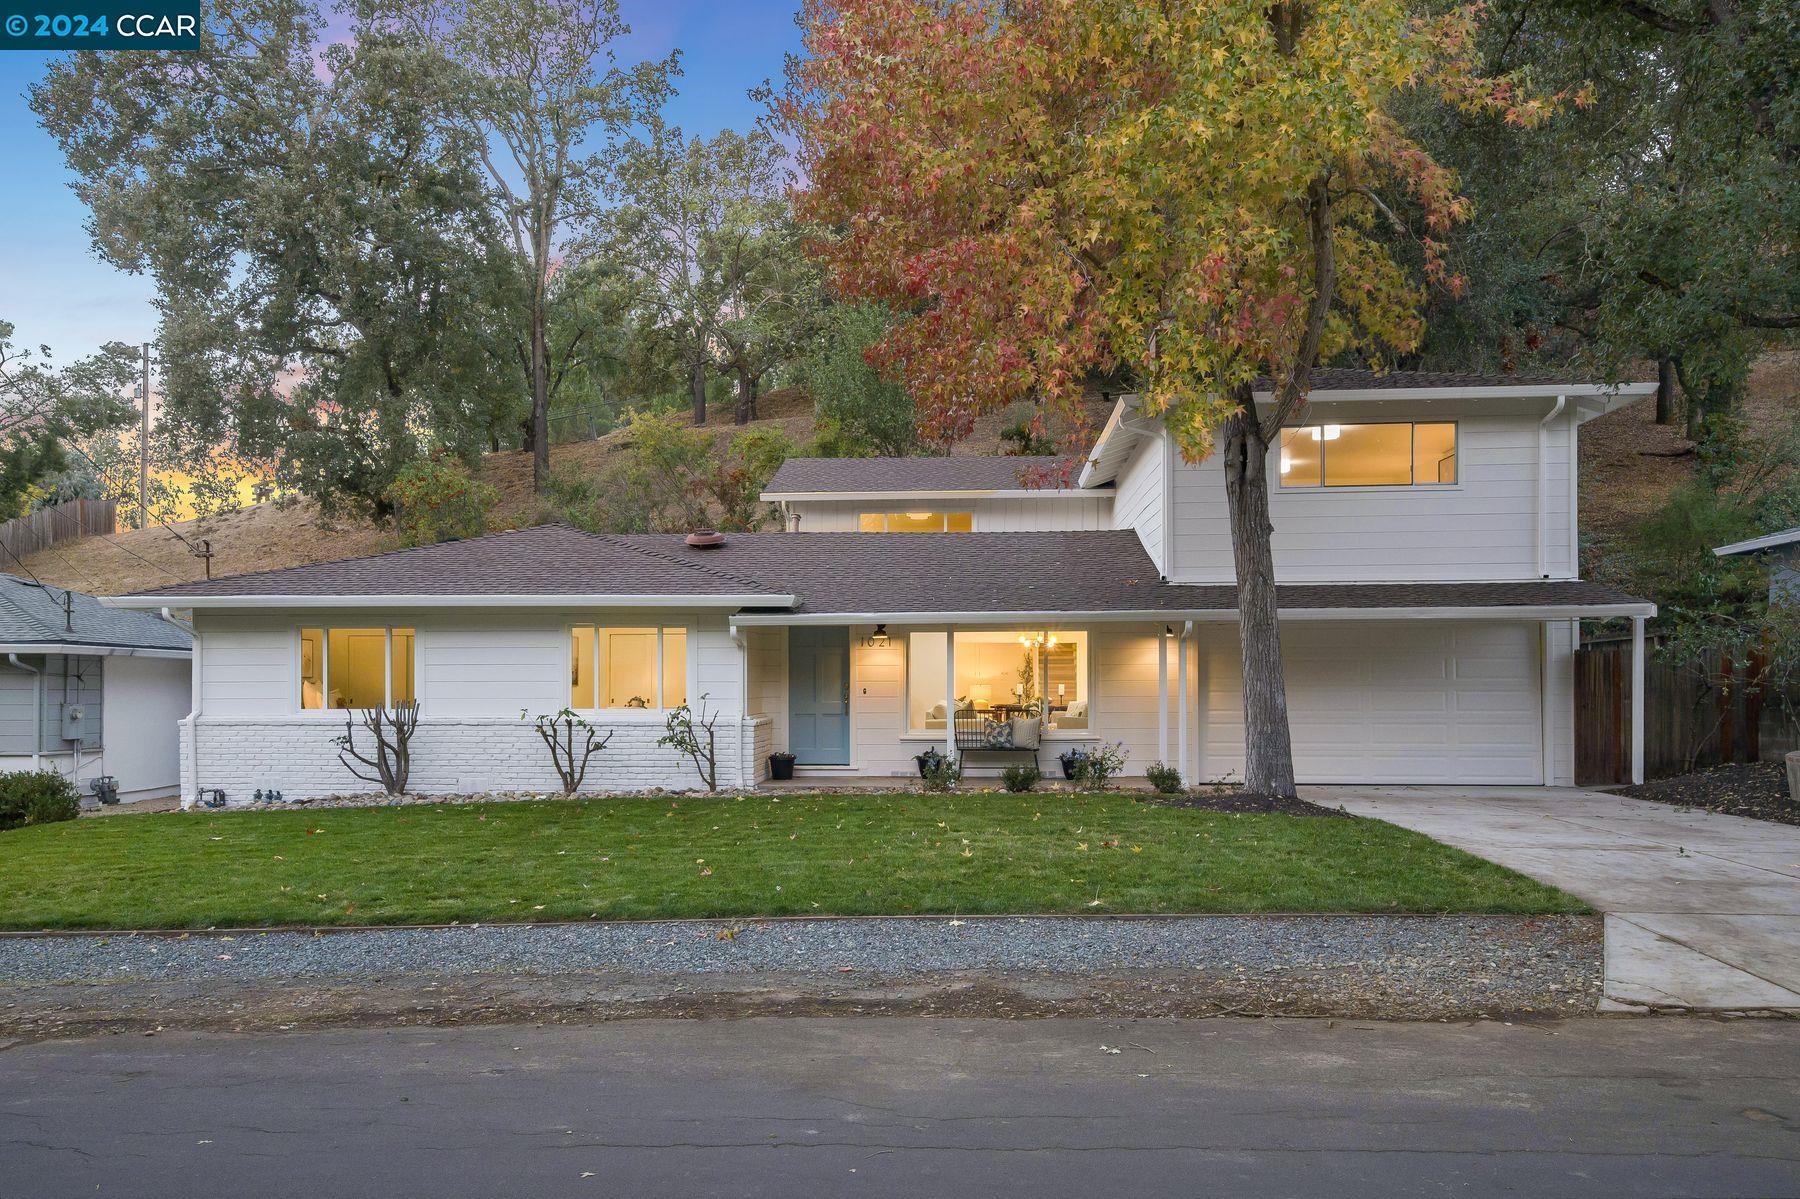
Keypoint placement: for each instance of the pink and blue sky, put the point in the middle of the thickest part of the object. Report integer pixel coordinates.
(57, 293)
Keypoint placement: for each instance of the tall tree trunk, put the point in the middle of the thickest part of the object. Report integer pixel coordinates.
(697, 389)
(746, 397)
(1665, 390)
(1268, 749)
(540, 397)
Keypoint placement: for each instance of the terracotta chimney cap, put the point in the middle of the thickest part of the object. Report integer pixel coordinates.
(705, 539)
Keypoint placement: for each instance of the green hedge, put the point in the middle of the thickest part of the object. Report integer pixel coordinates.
(36, 797)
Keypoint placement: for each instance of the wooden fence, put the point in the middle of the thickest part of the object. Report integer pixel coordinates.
(1699, 714)
(38, 530)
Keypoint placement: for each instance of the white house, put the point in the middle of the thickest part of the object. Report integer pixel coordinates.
(1425, 549)
(89, 691)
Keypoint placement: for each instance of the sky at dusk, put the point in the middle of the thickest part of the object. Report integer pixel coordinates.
(57, 293)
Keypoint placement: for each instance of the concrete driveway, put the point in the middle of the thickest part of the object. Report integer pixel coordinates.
(1702, 910)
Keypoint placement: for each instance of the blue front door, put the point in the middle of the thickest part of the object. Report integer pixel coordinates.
(819, 696)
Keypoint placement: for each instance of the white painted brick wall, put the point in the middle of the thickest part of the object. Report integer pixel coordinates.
(451, 755)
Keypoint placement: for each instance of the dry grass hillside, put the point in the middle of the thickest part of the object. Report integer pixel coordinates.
(268, 536)
(1630, 464)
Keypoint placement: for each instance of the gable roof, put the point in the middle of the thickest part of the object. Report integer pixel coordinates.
(801, 576)
(811, 477)
(34, 615)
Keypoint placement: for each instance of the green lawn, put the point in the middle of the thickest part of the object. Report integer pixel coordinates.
(729, 856)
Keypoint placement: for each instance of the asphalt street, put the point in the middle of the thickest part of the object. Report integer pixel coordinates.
(914, 1107)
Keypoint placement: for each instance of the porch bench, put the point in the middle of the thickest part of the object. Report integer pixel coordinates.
(975, 734)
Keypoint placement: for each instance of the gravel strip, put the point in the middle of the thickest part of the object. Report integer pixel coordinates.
(1474, 957)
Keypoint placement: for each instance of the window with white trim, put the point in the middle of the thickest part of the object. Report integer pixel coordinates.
(1396, 454)
(620, 667)
(915, 522)
(355, 668)
(1000, 673)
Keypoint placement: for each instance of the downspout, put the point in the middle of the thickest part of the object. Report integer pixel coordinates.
(1543, 482)
(190, 783)
(37, 710)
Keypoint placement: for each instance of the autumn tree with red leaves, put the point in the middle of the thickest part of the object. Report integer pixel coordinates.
(1190, 196)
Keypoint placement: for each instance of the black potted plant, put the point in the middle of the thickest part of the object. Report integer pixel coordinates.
(1071, 761)
(781, 765)
(929, 760)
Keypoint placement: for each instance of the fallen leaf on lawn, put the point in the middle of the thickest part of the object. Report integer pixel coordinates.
(1137, 849)
(1082, 846)
(537, 907)
(706, 872)
(1094, 903)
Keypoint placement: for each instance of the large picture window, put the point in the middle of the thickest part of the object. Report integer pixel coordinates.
(916, 522)
(614, 667)
(1378, 455)
(356, 668)
(1000, 673)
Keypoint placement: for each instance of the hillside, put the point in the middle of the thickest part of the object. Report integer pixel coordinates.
(267, 536)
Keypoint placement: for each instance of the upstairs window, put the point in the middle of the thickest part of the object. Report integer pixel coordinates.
(355, 668)
(1377, 455)
(627, 667)
(916, 522)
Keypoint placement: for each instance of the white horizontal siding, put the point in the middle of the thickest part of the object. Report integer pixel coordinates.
(1140, 500)
(470, 663)
(1483, 528)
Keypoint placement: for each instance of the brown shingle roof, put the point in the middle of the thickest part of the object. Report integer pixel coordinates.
(831, 573)
(1006, 473)
(545, 560)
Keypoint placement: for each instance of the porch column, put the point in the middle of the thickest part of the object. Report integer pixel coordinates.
(949, 692)
(1181, 681)
(1162, 695)
(1637, 699)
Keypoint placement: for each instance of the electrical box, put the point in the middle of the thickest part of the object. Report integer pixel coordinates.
(73, 714)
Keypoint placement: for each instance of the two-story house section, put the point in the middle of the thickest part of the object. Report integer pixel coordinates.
(1429, 521)
(990, 609)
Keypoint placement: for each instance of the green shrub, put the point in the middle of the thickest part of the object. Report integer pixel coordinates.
(1100, 765)
(436, 499)
(36, 797)
(1021, 776)
(941, 773)
(1164, 778)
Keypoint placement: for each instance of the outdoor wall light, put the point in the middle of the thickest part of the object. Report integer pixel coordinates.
(879, 639)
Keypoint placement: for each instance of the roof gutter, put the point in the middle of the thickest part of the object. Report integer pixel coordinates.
(1541, 391)
(1206, 615)
(149, 601)
(79, 649)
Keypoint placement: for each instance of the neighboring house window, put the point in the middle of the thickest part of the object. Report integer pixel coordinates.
(1378, 455)
(916, 522)
(627, 668)
(1000, 672)
(356, 668)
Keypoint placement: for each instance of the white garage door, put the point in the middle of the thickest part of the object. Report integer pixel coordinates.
(1413, 702)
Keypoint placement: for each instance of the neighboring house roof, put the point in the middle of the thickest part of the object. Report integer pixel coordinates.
(33, 615)
(1758, 544)
(882, 476)
(828, 574)
(546, 562)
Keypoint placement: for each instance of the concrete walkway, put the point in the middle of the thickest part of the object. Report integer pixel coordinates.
(1702, 910)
